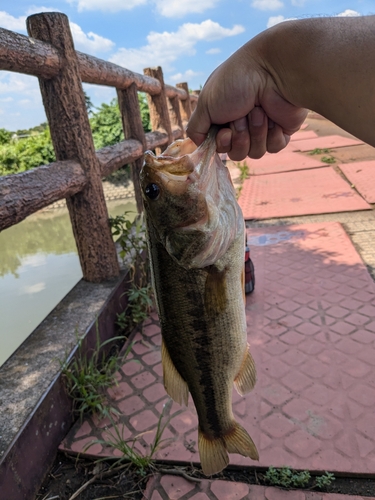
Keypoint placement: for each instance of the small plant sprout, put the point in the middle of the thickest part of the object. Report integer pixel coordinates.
(318, 151)
(287, 477)
(322, 482)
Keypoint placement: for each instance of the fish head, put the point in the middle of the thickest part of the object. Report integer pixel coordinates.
(186, 193)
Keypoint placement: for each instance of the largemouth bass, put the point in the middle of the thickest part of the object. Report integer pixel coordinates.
(196, 235)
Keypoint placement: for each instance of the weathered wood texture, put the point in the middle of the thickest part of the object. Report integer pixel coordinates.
(133, 129)
(25, 193)
(157, 104)
(185, 106)
(28, 55)
(65, 108)
(175, 115)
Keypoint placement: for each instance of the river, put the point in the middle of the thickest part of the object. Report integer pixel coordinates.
(38, 266)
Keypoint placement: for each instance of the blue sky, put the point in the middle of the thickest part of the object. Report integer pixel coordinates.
(187, 38)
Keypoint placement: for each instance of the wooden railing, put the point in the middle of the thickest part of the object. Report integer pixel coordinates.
(49, 54)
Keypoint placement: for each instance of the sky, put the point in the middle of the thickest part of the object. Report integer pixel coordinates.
(187, 38)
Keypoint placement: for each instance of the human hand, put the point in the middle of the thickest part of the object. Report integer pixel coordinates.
(242, 96)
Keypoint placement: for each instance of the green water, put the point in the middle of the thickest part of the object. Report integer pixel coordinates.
(38, 266)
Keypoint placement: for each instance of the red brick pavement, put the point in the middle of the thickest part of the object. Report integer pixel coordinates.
(312, 330)
(362, 175)
(314, 191)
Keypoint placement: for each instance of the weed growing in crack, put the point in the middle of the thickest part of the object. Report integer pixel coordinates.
(89, 374)
(132, 240)
(128, 449)
(285, 477)
(322, 482)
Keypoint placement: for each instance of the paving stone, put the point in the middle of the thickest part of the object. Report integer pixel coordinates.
(329, 141)
(361, 175)
(313, 403)
(319, 190)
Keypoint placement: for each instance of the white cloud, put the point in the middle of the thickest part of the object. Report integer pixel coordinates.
(16, 82)
(12, 23)
(349, 13)
(31, 289)
(298, 3)
(179, 8)
(89, 42)
(213, 51)
(164, 48)
(35, 9)
(184, 77)
(273, 20)
(107, 5)
(267, 4)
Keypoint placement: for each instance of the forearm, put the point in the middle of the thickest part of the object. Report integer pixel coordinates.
(326, 65)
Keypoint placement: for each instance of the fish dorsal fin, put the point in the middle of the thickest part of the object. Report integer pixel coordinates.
(174, 384)
(215, 291)
(246, 377)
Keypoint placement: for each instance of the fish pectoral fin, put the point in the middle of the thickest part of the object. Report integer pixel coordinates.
(174, 384)
(239, 441)
(213, 454)
(215, 291)
(247, 376)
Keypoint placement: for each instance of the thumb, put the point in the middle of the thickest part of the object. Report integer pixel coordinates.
(199, 124)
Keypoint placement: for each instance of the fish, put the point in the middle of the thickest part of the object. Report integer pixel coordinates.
(196, 243)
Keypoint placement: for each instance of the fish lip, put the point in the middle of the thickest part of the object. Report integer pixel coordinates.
(193, 225)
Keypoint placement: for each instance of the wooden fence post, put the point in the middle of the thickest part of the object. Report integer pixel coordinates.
(65, 108)
(185, 106)
(159, 115)
(133, 129)
(175, 115)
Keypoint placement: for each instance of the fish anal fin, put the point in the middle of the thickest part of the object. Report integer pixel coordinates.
(239, 441)
(215, 291)
(247, 376)
(213, 454)
(174, 384)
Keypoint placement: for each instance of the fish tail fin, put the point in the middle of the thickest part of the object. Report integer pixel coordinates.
(213, 454)
(239, 441)
(247, 376)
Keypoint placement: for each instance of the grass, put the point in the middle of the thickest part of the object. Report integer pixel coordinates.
(88, 376)
(142, 461)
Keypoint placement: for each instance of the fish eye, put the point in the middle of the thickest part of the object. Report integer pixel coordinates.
(152, 191)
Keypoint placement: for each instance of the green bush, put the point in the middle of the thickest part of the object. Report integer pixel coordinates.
(25, 153)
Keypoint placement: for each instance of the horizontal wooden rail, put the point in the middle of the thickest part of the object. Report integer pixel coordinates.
(23, 194)
(23, 54)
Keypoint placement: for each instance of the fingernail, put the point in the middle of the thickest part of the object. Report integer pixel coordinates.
(287, 139)
(225, 139)
(240, 125)
(257, 117)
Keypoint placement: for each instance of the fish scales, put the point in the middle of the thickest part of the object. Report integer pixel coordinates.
(197, 264)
